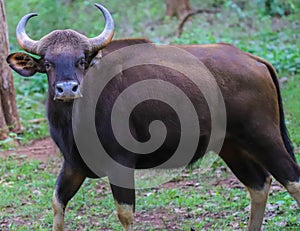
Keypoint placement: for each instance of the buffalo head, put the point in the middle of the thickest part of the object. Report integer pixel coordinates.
(65, 56)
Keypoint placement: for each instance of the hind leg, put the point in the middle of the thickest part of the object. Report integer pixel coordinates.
(294, 190)
(269, 151)
(284, 169)
(253, 176)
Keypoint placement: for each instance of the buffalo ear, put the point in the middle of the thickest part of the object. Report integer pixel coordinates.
(24, 64)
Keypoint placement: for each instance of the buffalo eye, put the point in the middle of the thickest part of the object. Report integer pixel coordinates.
(82, 63)
(47, 65)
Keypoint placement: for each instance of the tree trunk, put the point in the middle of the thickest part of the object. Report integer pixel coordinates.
(9, 116)
(3, 125)
(177, 8)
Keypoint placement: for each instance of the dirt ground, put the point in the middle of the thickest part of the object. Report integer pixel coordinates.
(42, 150)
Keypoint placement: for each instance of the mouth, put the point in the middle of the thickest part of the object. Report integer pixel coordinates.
(67, 98)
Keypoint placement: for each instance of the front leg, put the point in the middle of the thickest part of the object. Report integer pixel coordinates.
(67, 184)
(125, 203)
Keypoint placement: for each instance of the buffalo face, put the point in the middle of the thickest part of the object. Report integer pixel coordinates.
(65, 56)
(65, 67)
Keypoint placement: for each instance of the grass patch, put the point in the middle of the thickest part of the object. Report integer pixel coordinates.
(291, 97)
(212, 200)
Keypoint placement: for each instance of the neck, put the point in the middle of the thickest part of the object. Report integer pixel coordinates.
(59, 113)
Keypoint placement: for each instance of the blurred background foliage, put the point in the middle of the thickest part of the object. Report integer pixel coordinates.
(269, 31)
(267, 28)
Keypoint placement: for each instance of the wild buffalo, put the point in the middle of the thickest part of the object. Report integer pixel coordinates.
(256, 144)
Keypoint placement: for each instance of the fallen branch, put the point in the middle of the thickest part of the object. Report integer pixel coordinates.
(191, 13)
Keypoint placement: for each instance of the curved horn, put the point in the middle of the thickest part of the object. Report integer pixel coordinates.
(23, 39)
(106, 36)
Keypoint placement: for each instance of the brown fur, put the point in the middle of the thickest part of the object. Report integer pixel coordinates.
(59, 41)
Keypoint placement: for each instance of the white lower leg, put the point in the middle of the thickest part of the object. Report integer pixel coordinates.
(294, 190)
(258, 204)
(58, 214)
(125, 215)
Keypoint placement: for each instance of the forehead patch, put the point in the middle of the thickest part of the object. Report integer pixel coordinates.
(63, 41)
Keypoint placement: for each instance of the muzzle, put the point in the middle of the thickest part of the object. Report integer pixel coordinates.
(67, 90)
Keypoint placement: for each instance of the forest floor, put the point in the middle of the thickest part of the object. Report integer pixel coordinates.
(158, 218)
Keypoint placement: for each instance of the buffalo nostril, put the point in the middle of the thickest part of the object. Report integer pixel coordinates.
(75, 88)
(66, 90)
(59, 89)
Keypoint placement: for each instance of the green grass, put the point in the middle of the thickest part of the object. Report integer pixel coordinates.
(194, 200)
(202, 201)
(291, 96)
(25, 192)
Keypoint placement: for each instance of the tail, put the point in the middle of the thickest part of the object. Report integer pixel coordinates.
(284, 132)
